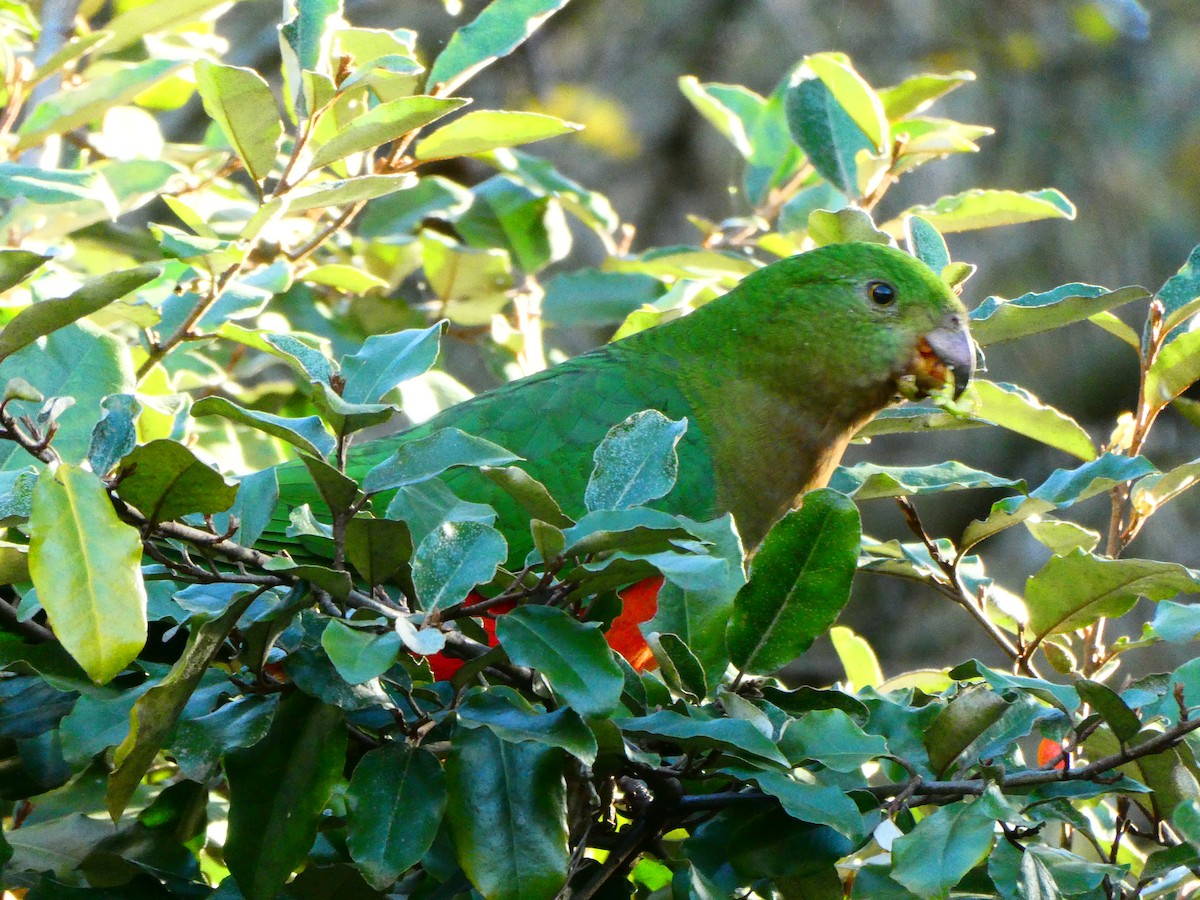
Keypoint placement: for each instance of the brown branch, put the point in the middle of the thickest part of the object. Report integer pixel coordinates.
(955, 590)
(29, 629)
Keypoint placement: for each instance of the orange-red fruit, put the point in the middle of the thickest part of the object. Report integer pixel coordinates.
(639, 604)
(1051, 752)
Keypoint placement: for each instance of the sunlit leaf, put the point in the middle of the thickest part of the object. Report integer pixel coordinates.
(497, 31)
(85, 564)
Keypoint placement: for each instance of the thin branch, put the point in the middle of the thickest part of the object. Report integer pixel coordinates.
(955, 590)
(30, 629)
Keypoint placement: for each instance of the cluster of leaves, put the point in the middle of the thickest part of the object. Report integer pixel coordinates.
(202, 696)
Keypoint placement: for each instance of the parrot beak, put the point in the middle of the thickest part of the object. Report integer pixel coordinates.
(947, 352)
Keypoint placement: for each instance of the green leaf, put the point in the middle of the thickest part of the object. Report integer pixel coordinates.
(996, 319)
(135, 23)
(46, 316)
(390, 77)
(346, 278)
(1156, 489)
(165, 481)
(1073, 591)
(304, 43)
(1108, 703)
(359, 655)
(857, 658)
(528, 224)
(240, 101)
(592, 208)
(472, 285)
(632, 530)
(343, 192)
(944, 846)
(799, 582)
(17, 265)
(277, 790)
(572, 655)
(338, 490)
(989, 209)
(76, 107)
(806, 802)
(504, 796)
(453, 559)
(1060, 537)
(1018, 410)
(1118, 329)
(384, 123)
(426, 457)
(908, 419)
(926, 243)
(490, 129)
(1174, 370)
(49, 187)
(497, 31)
(1063, 488)
(854, 95)
(960, 724)
(730, 108)
(678, 666)
(377, 548)
(635, 463)
(76, 361)
(825, 131)
(333, 581)
(1179, 295)
(913, 95)
(257, 496)
(85, 564)
(59, 61)
(308, 360)
(386, 360)
(157, 711)
(867, 481)
(308, 434)
(115, 434)
(737, 737)
(424, 506)
(531, 495)
(512, 718)
(846, 225)
(831, 738)
(347, 418)
(1176, 622)
(396, 800)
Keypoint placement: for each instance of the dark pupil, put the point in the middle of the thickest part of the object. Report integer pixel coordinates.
(882, 293)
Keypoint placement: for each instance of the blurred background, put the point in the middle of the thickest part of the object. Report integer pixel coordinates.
(1098, 99)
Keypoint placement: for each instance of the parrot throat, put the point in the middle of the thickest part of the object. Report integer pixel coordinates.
(768, 450)
(774, 431)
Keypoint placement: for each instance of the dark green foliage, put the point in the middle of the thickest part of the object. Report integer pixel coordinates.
(309, 702)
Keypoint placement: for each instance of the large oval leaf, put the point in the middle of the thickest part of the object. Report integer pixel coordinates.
(396, 798)
(85, 564)
(573, 656)
(636, 462)
(799, 582)
(507, 815)
(277, 789)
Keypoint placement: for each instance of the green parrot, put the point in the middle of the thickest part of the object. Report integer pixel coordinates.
(774, 379)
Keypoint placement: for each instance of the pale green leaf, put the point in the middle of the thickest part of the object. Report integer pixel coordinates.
(85, 564)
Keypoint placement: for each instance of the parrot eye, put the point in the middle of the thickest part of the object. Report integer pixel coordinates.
(881, 293)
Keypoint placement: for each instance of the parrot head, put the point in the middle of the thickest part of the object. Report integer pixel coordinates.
(881, 324)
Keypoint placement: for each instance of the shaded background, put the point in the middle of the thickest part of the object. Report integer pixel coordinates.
(1098, 99)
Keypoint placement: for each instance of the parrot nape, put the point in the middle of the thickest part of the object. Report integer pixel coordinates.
(774, 378)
